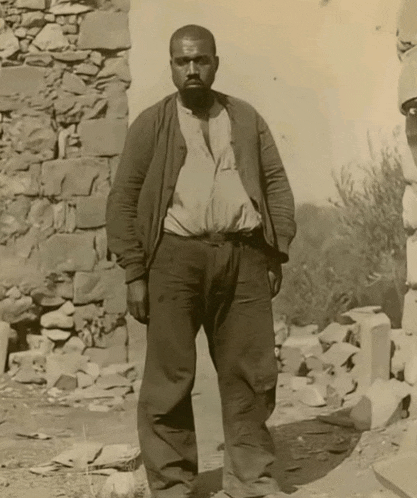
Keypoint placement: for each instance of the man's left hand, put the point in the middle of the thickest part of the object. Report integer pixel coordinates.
(275, 279)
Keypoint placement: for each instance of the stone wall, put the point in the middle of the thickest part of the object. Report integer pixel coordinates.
(63, 120)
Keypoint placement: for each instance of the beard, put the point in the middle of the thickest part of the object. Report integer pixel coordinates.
(196, 97)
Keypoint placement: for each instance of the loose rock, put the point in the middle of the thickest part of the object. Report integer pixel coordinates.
(56, 320)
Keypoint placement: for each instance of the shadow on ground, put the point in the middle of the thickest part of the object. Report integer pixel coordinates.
(306, 451)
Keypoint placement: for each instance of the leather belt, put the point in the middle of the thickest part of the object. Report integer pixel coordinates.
(217, 238)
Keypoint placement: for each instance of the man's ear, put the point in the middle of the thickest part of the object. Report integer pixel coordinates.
(217, 62)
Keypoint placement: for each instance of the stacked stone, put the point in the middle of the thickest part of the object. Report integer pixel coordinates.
(63, 120)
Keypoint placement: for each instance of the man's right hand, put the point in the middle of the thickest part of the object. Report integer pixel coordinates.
(137, 300)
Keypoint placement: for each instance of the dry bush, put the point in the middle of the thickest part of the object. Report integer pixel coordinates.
(352, 251)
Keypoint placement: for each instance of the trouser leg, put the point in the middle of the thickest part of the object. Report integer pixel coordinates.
(165, 416)
(240, 333)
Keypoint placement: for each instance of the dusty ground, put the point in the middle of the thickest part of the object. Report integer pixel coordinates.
(314, 459)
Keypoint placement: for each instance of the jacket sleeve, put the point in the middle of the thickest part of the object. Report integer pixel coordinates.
(279, 196)
(121, 212)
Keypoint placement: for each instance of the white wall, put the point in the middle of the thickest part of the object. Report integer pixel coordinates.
(321, 76)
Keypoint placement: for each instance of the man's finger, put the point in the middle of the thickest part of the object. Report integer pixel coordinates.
(143, 313)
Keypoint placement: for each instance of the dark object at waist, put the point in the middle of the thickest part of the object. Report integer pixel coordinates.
(217, 238)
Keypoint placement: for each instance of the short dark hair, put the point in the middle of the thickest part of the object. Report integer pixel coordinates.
(194, 32)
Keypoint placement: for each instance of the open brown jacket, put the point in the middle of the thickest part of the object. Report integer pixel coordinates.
(153, 155)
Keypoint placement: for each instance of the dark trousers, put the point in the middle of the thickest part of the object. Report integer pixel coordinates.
(225, 288)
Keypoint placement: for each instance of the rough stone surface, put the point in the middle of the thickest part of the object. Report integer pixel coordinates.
(56, 335)
(98, 286)
(114, 37)
(40, 343)
(5, 332)
(305, 344)
(291, 359)
(410, 208)
(90, 212)
(375, 333)
(101, 357)
(72, 56)
(312, 396)
(31, 4)
(23, 79)
(305, 331)
(381, 406)
(73, 84)
(74, 345)
(28, 375)
(69, 177)
(102, 137)
(334, 333)
(63, 116)
(412, 261)
(118, 67)
(84, 380)
(51, 38)
(68, 252)
(66, 382)
(409, 321)
(9, 44)
(36, 358)
(66, 9)
(34, 134)
(15, 310)
(63, 364)
(67, 309)
(33, 19)
(397, 473)
(338, 354)
(56, 320)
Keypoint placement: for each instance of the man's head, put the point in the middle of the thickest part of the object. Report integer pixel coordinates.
(194, 62)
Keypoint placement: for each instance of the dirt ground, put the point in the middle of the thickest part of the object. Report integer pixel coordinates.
(314, 459)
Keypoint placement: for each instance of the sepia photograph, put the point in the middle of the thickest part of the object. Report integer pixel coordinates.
(208, 249)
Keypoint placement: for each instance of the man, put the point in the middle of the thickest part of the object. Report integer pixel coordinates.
(201, 216)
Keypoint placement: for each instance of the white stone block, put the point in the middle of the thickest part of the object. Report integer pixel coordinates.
(409, 321)
(408, 164)
(410, 207)
(412, 261)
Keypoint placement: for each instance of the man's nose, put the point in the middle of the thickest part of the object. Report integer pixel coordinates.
(192, 69)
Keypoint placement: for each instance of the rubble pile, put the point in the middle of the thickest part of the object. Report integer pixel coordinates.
(358, 363)
(63, 120)
(79, 355)
(60, 363)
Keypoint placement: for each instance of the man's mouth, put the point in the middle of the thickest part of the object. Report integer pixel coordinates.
(194, 83)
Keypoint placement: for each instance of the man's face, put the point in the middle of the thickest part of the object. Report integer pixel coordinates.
(193, 65)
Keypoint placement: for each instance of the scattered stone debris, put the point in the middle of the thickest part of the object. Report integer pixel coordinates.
(93, 456)
(398, 474)
(34, 435)
(360, 365)
(125, 484)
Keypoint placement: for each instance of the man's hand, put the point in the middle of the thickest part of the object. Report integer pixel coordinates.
(275, 279)
(137, 300)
